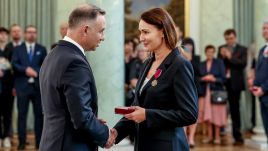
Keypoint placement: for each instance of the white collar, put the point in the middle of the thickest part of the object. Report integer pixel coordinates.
(66, 38)
(16, 44)
(30, 44)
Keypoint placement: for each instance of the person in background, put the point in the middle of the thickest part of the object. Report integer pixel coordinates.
(212, 74)
(180, 35)
(26, 61)
(6, 85)
(136, 66)
(128, 50)
(250, 81)
(235, 61)
(189, 47)
(63, 29)
(16, 38)
(260, 88)
(63, 32)
(16, 35)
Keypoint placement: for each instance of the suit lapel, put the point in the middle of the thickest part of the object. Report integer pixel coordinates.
(74, 47)
(34, 53)
(260, 58)
(25, 54)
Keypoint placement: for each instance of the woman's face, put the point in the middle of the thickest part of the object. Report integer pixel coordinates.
(210, 53)
(150, 36)
(189, 48)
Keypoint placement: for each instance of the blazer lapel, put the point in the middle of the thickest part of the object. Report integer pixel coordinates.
(143, 75)
(163, 66)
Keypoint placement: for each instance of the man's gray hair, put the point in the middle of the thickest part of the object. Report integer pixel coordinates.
(84, 12)
(265, 21)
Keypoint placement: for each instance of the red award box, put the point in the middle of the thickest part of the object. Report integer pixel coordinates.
(254, 89)
(123, 110)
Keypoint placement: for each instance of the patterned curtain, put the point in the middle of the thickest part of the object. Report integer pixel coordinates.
(35, 12)
(244, 26)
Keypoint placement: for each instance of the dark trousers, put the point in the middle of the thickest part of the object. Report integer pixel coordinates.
(253, 111)
(24, 97)
(6, 106)
(234, 105)
(264, 112)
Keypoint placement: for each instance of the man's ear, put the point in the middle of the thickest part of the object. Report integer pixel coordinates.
(86, 30)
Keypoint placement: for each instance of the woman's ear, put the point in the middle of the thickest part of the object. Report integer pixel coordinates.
(162, 31)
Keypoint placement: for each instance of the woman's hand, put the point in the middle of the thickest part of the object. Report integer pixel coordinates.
(205, 78)
(137, 116)
(212, 78)
(208, 78)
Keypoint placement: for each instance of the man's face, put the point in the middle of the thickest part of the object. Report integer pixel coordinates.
(30, 34)
(265, 31)
(95, 33)
(63, 29)
(16, 33)
(230, 39)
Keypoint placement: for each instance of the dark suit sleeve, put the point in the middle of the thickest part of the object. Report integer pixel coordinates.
(76, 83)
(264, 86)
(17, 66)
(124, 128)
(240, 62)
(221, 77)
(186, 102)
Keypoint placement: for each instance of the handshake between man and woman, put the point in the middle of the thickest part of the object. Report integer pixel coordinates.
(133, 113)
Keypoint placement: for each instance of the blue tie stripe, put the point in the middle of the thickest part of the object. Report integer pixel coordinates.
(30, 54)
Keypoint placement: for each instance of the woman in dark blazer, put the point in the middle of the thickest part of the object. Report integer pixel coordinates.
(189, 47)
(166, 96)
(212, 74)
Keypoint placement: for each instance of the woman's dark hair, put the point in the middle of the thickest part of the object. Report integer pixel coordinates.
(188, 41)
(210, 47)
(161, 19)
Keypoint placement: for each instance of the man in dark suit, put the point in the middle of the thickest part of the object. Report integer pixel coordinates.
(16, 35)
(235, 60)
(260, 88)
(16, 38)
(26, 61)
(68, 91)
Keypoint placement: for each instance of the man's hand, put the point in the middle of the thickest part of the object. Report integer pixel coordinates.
(250, 82)
(228, 54)
(111, 139)
(30, 72)
(102, 121)
(257, 91)
(14, 93)
(138, 115)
